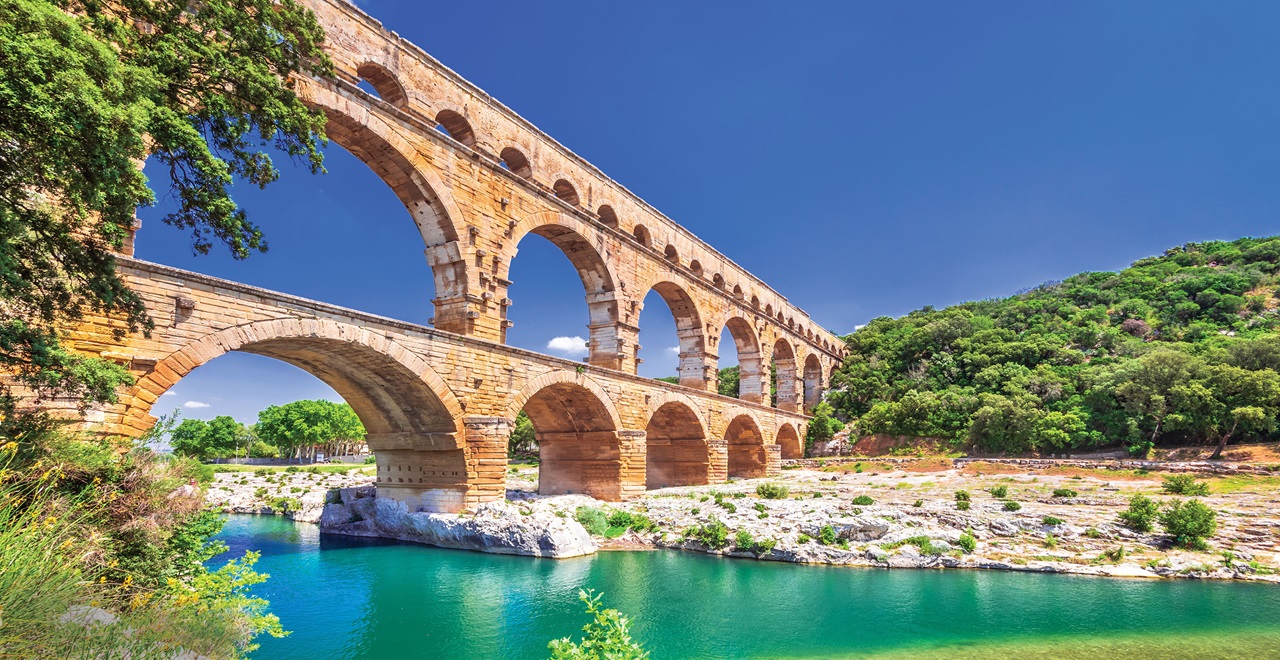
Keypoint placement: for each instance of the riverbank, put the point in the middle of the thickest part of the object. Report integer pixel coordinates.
(910, 521)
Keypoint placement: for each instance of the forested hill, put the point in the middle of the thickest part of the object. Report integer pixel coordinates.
(1181, 347)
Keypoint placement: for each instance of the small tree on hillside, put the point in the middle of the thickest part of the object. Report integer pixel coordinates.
(823, 426)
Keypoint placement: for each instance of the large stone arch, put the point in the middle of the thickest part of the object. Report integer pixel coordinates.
(784, 368)
(813, 383)
(577, 426)
(693, 370)
(582, 243)
(751, 373)
(676, 448)
(412, 417)
(789, 442)
(744, 437)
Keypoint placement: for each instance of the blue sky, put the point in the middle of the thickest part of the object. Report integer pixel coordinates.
(864, 158)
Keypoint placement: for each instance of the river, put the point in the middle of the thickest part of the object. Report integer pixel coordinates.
(352, 598)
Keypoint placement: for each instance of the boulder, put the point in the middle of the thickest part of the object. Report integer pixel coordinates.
(496, 527)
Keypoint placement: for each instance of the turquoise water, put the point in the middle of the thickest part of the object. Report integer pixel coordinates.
(350, 598)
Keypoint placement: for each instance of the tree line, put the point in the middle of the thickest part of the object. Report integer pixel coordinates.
(1178, 348)
(298, 430)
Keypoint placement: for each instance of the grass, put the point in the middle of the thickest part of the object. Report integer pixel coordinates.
(1243, 484)
(327, 468)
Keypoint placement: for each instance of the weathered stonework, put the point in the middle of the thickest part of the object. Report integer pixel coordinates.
(438, 403)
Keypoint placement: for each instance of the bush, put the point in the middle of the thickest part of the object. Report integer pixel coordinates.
(1050, 541)
(863, 500)
(743, 541)
(827, 535)
(1114, 554)
(1093, 533)
(1000, 491)
(1189, 522)
(620, 518)
(918, 503)
(713, 534)
(606, 636)
(370, 459)
(1141, 513)
(642, 523)
(967, 542)
(803, 538)
(962, 496)
(1050, 520)
(292, 468)
(1185, 484)
(592, 519)
(962, 505)
(1064, 492)
(1012, 506)
(772, 491)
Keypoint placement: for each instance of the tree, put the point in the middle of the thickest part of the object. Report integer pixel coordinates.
(823, 426)
(219, 437)
(524, 439)
(1190, 522)
(305, 426)
(89, 90)
(188, 439)
(727, 383)
(607, 636)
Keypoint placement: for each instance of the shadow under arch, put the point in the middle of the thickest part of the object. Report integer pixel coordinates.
(576, 424)
(788, 439)
(411, 416)
(574, 238)
(676, 449)
(746, 453)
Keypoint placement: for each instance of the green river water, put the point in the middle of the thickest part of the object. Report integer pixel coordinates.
(350, 598)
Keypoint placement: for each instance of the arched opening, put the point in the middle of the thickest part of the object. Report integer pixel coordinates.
(812, 382)
(789, 442)
(565, 191)
(607, 216)
(768, 310)
(515, 161)
(784, 369)
(578, 446)
(689, 352)
(696, 267)
(409, 416)
(642, 236)
(755, 302)
(543, 306)
(747, 459)
(671, 254)
(456, 126)
(384, 84)
(737, 292)
(740, 374)
(676, 448)
(718, 280)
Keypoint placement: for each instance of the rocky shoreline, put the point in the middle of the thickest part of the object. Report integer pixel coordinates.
(871, 513)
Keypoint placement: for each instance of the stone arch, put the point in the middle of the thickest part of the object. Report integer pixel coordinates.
(784, 367)
(676, 450)
(516, 162)
(412, 418)
(671, 255)
(456, 126)
(751, 384)
(812, 381)
(755, 302)
(689, 332)
(747, 458)
(598, 280)
(642, 236)
(788, 439)
(576, 424)
(696, 267)
(608, 216)
(737, 292)
(384, 82)
(566, 192)
(718, 280)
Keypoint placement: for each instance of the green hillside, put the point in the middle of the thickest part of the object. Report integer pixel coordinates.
(1181, 347)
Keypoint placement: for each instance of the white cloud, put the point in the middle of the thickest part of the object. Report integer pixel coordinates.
(568, 346)
(195, 404)
(674, 350)
(169, 394)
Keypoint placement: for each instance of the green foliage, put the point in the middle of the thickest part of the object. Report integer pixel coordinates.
(606, 637)
(90, 90)
(1190, 522)
(1114, 555)
(713, 534)
(1050, 520)
(728, 382)
(308, 423)
(1064, 492)
(963, 505)
(772, 491)
(1184, 484)
(918, 503)
(827, 535)
(924, 543)
(962, 496)
(594, 520)
(1093, 533)
(744, 541)
(1000, 491)
(823, 426)
(523, 439)
(1141, 513)
(1180, 347)
(1010, 505)
(803, 538)
(967, 542)
(863, 500)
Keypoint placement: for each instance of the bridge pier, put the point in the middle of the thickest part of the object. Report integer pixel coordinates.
(606, 465)
(717, 461)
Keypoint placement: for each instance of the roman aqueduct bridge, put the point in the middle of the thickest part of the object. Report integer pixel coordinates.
(439, 402)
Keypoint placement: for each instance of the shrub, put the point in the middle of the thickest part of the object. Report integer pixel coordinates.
(1093, 533)
(1141, 513)
(967, 542)
(620, 518)
(261, 472)
(827, 535)
(918, 503)
(370, 459)
(292, 468)
(1185, 484)
(1012, 506)
(1114, 554)
(260, 492)
(713, 534)
(863, 500)
(1050, 541)
(817, 495)
(1064, 492)
(606, 635)
(1050, 520)
(1189, 522)
(962, 505)
(728, 506)
(1000, 491)
(772, 491)
(592, 519)
(803, 538)
(642, 523)
(766, 546)
(743, 541)
(962, 496)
